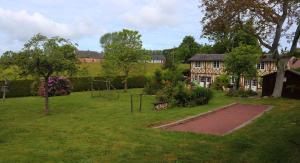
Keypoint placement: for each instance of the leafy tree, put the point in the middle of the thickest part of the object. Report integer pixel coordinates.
(41, 57)
(241, 61)
(171, 58)
(123, 51)
(188, 48)
(271, 20)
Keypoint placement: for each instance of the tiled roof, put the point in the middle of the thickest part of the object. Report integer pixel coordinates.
(221, 57)
(208, 57)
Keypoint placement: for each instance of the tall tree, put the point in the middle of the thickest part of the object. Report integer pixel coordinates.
(242, 61)
(188, 48)
(123, 51)
(41, 57)
(271, 19)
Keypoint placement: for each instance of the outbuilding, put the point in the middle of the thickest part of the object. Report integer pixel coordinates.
(291, 85)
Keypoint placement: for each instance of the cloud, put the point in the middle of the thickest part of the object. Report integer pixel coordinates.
(156, 13)
(21, 25)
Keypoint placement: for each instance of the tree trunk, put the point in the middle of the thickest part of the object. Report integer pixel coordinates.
(250, 85)
(125, 84)
(237, 82)
(296, 38)
(279, 79)
(46, 96)
(126, 81)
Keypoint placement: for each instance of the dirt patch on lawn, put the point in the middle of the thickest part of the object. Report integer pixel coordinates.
(221, 121)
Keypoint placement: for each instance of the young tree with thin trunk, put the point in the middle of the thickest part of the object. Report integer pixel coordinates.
(122, 51)
(241, 62)
(41, 57)
(272, 20)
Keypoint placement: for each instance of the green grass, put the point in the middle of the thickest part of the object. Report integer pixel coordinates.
(85, 129)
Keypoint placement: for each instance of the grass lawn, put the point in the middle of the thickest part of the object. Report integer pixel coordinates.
(85, 129)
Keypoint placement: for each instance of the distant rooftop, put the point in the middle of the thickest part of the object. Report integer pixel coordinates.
(89, 54)
(157, 57)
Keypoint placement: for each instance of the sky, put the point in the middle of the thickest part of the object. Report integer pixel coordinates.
(162, 23)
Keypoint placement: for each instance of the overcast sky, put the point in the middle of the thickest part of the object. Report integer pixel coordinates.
(162, 23)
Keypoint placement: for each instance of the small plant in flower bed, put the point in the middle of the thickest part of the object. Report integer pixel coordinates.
(183, 95)
(58, 86)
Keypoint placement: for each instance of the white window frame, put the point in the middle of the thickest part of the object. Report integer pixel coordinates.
(198, 64)
(261, 66)
(216, 64)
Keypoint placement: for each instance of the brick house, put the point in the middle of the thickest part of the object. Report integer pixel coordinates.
(89, 56)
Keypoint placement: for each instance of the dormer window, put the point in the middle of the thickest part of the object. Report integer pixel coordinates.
(198, 64)
(261, 66)
(216, 64)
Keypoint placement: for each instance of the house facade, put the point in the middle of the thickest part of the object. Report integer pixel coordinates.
(89, 56)
(205, 68)
(157, 58)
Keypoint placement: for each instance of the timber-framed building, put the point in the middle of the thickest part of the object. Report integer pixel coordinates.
(205, 68)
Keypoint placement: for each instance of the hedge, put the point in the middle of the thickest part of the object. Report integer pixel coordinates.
(22, 88)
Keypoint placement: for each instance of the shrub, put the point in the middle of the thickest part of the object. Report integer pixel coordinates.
(57, 86)
(154, 84)
(166, 94)
(241, 93)
(221, 81)
(202, 95)
(182, 95)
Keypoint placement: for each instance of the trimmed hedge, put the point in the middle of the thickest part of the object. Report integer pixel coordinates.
(22, 88)
(18, 88)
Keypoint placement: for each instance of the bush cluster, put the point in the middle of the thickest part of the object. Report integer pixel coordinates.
(57, 86)
(241, 93)
(160, 78)
(221, 81)
(183, 95)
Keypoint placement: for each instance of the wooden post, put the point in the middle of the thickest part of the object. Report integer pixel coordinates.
(141, 96)
(131, 101)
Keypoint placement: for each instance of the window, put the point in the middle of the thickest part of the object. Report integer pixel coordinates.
(203, 79)
(208, 79)
(198, 64)
(254, 82)
(216, 64)
(261, 65)
(232, 80)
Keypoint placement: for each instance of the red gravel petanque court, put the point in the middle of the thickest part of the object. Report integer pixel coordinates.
(221, 121)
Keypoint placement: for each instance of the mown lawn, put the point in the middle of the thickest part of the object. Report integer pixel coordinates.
(85, 129)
